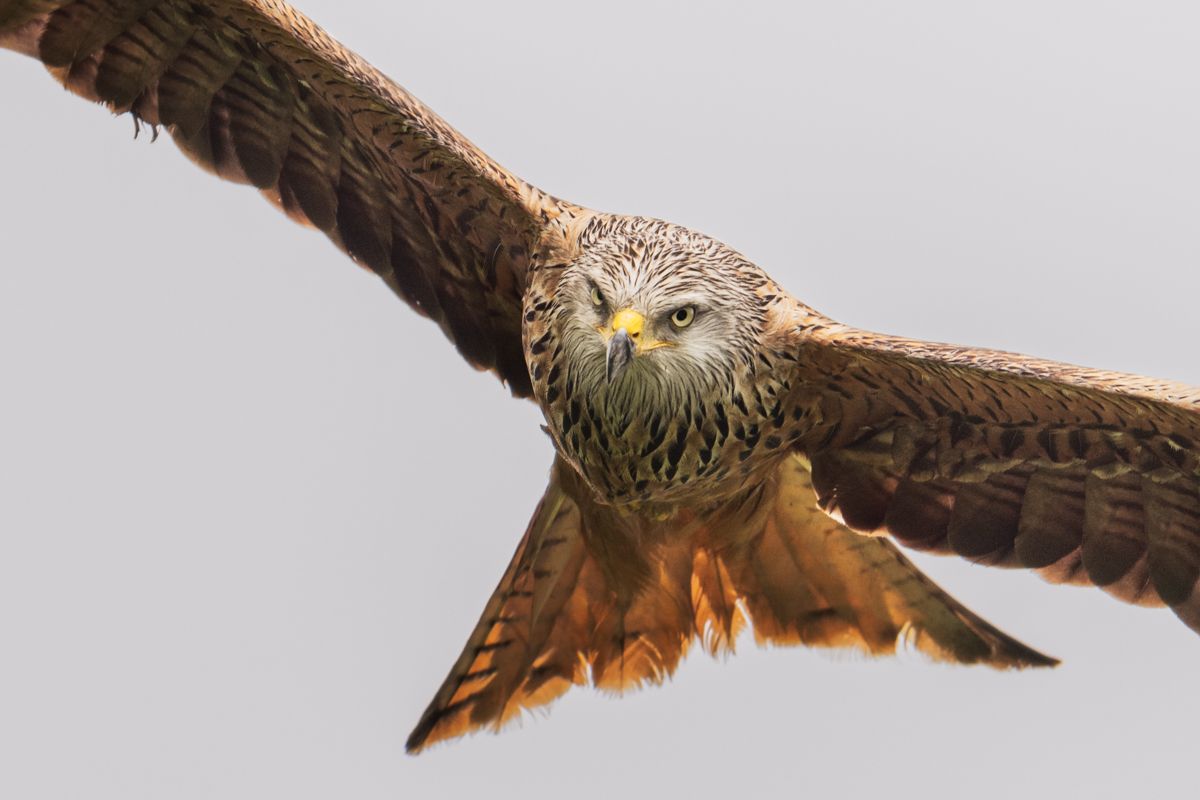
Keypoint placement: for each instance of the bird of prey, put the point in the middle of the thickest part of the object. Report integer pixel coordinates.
(725, 455)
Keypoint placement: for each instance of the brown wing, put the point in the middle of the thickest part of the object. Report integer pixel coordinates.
(257, 93)
(593, 595)
(1086, 476)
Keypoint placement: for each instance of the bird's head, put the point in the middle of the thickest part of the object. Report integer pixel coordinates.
(652, 313)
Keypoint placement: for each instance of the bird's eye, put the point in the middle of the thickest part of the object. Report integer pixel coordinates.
(683, 316)
(597, 298)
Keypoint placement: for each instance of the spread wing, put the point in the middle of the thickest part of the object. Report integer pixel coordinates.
(257, 93)
(597, 596)
(1086, 476)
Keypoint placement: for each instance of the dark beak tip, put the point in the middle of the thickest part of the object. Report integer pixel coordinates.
(620, 354)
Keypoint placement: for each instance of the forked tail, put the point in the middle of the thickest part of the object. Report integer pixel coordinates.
(596, 595)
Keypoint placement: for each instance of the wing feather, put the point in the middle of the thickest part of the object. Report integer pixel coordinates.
(258, 94)
(1086, 476)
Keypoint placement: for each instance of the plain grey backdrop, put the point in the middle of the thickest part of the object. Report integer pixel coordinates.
(251, 505)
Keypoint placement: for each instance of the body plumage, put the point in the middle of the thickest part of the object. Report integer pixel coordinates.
(725, 454)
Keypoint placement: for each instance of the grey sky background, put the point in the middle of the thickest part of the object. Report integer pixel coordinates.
(251, 505)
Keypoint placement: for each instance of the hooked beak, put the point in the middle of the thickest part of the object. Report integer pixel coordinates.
(625, 341)
(620, 354)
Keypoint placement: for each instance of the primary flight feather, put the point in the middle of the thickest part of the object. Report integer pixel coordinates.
(721, 447)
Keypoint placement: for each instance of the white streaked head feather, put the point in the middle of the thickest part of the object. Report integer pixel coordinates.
(656, 268)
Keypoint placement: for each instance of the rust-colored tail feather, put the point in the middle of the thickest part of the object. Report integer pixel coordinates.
(595, 595)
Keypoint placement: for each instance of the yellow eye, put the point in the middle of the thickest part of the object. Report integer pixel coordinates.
(683, 316)
(597, 298)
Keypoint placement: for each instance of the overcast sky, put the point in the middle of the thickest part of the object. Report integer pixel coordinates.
(251, 505)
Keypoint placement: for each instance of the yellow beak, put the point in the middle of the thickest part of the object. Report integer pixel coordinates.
(625, 340)
(631, 321)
